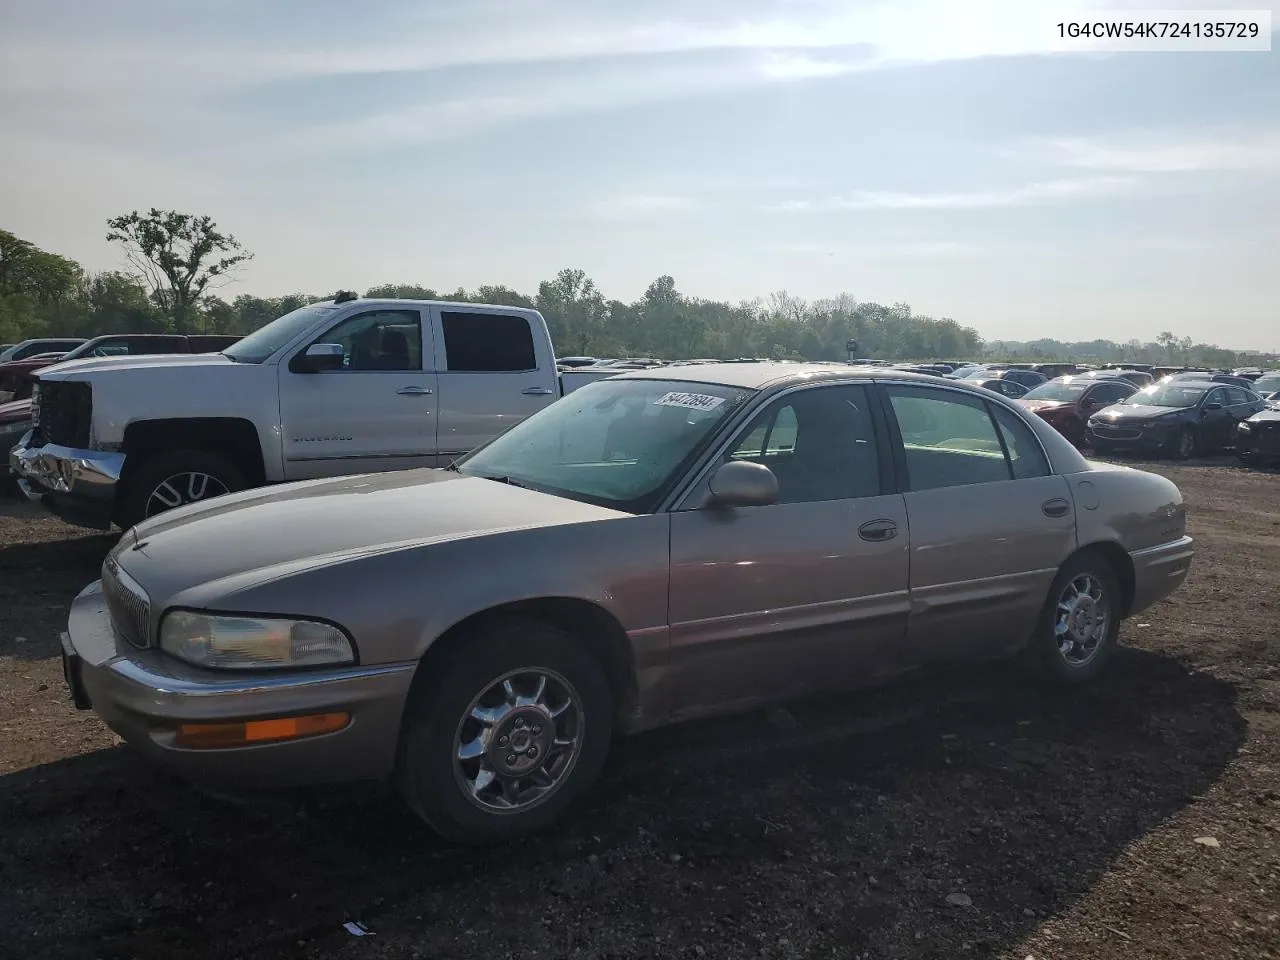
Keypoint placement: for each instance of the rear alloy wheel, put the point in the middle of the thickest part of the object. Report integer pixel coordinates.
(1080, 623)
(504, 730)
(176, 480)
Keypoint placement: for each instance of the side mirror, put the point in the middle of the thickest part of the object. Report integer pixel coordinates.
(741, 483)
(317, 358)
(1214, 405)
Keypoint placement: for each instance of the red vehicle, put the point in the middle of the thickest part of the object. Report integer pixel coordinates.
(1067, 403)
(15, 376)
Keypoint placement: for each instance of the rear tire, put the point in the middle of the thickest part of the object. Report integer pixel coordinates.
(1080, 623)
(176, 479)
(483, 762)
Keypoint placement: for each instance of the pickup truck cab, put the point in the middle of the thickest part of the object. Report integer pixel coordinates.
(339, 387)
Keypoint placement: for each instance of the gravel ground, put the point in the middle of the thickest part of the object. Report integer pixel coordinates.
(967, 815)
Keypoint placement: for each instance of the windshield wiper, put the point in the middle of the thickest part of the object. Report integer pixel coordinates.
(510, 481)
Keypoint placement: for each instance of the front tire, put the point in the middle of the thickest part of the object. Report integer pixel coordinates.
(509, 727)
(1080, 623)
(174, 480)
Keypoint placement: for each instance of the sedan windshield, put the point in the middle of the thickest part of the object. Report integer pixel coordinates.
(1265, 385)
(1167, 395)
(616, 443)
(263, 342)
(1058, 390)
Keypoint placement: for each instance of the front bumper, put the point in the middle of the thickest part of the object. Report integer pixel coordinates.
(1159, 570)
(143, 694)
(1260, 442)
(11, 434)
(1152, 438)
(77, 485)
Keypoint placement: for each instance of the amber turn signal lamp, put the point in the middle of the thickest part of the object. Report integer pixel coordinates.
(248, 732)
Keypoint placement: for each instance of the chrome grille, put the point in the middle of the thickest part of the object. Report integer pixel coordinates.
(1115, 433)
(128, 605)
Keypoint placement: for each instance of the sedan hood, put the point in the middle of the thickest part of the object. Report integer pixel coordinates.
(94, 364)
(1271, 415)
(1136, 412)
(270, 532)
(1044, 406)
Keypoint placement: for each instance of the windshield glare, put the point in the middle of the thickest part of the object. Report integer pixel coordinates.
(263, 342)
(615, 443)
(1166, 395)
(1057, 390)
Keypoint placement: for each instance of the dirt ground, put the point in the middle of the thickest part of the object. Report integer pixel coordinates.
(969, 815)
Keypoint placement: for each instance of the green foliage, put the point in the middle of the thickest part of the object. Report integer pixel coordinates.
(180, 257)
(44, 294)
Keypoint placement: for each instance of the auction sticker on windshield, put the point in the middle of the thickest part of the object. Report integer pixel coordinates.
(693, 401)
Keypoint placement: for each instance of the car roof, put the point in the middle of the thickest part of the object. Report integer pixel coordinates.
(761, 375)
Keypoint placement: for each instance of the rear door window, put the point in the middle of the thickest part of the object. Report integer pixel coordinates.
(487, 342)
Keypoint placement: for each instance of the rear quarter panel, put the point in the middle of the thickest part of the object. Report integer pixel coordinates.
(1132, 508)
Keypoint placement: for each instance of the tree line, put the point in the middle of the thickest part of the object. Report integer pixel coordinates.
(181, 262)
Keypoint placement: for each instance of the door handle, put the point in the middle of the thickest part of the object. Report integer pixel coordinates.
(878, 531)
(414, 391)
(537, 391)
(1057, 507)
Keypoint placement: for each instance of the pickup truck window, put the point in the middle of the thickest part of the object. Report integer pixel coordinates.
(378, 340)
(265, 341)
(487, 342)
(614, 443)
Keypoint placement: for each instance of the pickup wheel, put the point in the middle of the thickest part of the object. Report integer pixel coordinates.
(1080, 623)
(509, 727)
(176, 479)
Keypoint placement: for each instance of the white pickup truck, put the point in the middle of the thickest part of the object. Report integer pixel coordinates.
(339, 387)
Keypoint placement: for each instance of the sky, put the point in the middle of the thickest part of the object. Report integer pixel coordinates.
(953, 156)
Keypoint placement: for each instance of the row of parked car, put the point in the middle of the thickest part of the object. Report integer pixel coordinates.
(1162, 411)
(1156, 410)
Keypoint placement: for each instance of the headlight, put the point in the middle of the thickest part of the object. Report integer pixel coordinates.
(249, 643)
(1244, 427)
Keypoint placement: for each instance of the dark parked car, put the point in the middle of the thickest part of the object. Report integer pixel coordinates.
(15, 377)
(1180, 418)
(1028, 378)
(1067, 403)
(29, 348)
(1230, 378)
(1139, 378)
(1258, 438)
(1054, 370)
(1268, 383)
(1009, 388)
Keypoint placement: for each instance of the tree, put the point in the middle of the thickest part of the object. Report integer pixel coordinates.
(28, 271)
(181, 257)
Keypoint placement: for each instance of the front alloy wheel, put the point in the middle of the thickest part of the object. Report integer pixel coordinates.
(1184, 444)
(508, 723)
(182, 488)
(519, 740)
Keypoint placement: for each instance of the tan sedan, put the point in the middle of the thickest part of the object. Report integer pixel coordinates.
(660, 545)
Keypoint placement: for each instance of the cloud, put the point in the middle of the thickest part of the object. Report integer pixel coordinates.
(1181, 152)
(892, 248)
(1048, 191)
(644, 206)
